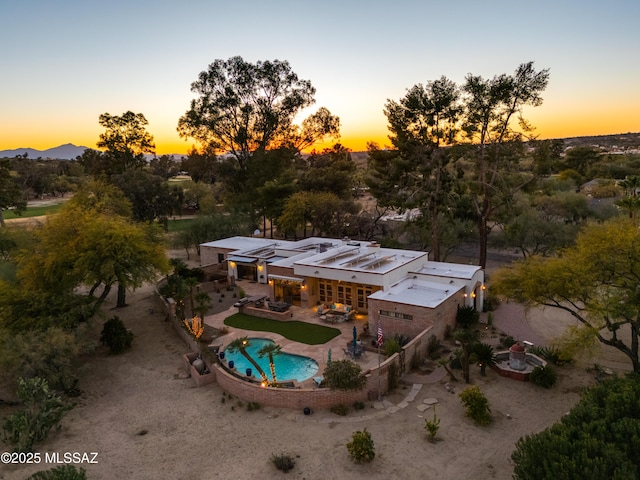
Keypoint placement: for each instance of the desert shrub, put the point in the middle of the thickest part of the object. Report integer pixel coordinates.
(476, 405)
(448, 332)
(116, 336)
(544, 376)
(361, 447)
(432, 426)
(47, 354)
(491, 301)
(283, 462)
(339, 409)
(358, 405)
(393, 377)
(42, 412)
(551, 354)
(466, 317)
(391, 346)
(416, 360)
(455, 359)
(433, 347)
(252, 406)
(344, 375)
(507, 341)
(63, 472)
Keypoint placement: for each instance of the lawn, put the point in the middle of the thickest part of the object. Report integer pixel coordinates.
(301, 332)
(33, 211)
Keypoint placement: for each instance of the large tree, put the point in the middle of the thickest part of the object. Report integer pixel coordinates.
(125, 141)
(80, 246)
(424, 121)
(492, 107)
(331, 170)
(243, 107)
(596, 282)
(151, 196)
(243, 111)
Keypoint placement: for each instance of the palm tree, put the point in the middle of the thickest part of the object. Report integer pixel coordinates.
(484, 356)
(631, 200)
(203, 303)
(191, 282)
(240, 345)
(271, 349)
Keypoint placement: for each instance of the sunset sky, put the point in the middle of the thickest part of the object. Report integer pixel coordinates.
(65, 62)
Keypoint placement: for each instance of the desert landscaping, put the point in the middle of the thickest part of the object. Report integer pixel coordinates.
(145, 418)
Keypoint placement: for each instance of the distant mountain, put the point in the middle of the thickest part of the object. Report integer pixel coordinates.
(63, 152)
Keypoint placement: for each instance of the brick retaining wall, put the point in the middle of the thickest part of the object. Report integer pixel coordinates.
(266, 313)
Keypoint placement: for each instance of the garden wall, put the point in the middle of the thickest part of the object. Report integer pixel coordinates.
(299, 398)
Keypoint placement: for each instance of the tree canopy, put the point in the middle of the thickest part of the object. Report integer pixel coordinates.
(243, 107)
(598, 439)
(79, 246)
(596, 281)
(125, 140)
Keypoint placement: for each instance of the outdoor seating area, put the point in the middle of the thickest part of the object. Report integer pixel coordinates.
(335, 313)
(354, 351)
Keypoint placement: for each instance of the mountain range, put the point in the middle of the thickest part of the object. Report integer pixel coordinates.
(68, 151)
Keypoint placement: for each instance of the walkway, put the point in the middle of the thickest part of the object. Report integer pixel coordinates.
(511, 318)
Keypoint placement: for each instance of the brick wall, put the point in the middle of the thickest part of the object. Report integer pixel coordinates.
(299, 398)
(434, 319)
(264, 312)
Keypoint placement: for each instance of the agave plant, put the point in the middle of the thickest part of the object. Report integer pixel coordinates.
(484, 356)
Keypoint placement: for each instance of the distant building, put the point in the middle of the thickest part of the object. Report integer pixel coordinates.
(400, 289)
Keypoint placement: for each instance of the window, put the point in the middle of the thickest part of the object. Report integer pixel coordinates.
(326, 291)
(362, 292)
(402, 316)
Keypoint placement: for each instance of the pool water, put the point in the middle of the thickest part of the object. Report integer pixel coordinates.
(288, 366)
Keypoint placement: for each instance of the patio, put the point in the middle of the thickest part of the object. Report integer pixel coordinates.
(338, 345)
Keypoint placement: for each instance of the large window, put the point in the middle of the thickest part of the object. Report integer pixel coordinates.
(363, 291)
(344, 294)
(326, 291)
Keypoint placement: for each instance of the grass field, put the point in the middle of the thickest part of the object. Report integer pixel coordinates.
(33, 211)
(179, 225)
(301, 332)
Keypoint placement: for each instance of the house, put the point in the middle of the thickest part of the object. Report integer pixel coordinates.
(402, 290)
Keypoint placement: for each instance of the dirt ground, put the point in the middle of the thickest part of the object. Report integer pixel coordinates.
(145, 419)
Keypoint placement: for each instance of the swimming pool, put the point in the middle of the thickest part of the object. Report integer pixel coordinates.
(288, 366)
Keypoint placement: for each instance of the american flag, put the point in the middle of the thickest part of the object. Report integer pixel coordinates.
(380, 337)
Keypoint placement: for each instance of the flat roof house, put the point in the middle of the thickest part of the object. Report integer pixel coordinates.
(402, 290)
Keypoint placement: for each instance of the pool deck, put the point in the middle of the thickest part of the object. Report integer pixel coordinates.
(319, 353)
